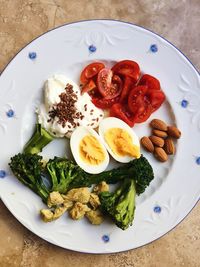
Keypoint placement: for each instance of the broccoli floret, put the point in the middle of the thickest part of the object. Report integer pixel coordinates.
(120, 205)
(28, 170)
(139, 170)
(38, 141)
(62, 173)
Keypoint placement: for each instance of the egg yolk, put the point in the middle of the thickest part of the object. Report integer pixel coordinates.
(91, 150)
(121, 143)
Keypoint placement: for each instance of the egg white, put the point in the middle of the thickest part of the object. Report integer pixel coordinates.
(75, 140)
(112, 122)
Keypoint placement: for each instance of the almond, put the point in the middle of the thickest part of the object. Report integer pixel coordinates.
(158, 141)
(160, 154)
(169, 146)
(147, 144)
(159, 133)
(174, 132)
(158, 124)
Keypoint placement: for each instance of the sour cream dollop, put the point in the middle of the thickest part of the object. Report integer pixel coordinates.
(65, 109)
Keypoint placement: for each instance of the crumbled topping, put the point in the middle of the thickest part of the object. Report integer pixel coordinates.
(65, 110)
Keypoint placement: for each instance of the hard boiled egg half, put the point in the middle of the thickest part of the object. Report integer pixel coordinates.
(120, 140)
(88, 150)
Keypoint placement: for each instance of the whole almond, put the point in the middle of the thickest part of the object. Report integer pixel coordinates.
(159, 133)
(147, 144)
(157, 141)
(158, 124)
(169, 146)
(160, 154)
(173, 132)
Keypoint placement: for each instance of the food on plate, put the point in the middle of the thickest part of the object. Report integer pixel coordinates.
(38, 140)
(94, 216)
(88, 150)
(158, 125)
(28, 170)
(61, 172)
(79, 202)
(160, 154)
(81, 195)
(157, 141)
(101, 187)
(128, 94)
(94, 201)
(78, 114)
(139, 170)
(120, 205)
(65, 109)
(54, 199)
(161, 144)
(169, 146)
(90, 72)
(159, 133)
(78, 211)
(120, 140)
(173, 131)
(60, 184)
(147, 144)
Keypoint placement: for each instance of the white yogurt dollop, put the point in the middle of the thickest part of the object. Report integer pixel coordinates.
(65, 109)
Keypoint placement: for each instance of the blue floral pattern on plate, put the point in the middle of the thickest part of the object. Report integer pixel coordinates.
(2, 174)
(154, 48)
(184, 103)
(198, 160)
(32, 55)
(105, 238)
(92, 48)
(10, 113)
(157, 209)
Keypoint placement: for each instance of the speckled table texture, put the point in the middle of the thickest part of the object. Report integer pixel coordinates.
(23, 20)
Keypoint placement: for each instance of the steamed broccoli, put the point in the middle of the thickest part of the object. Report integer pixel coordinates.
(62, 173)
(139, 170)
(38, 141)
(120, 205)
(28, 170)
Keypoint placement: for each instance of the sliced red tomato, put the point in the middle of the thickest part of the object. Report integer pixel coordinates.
(139, 103)
(136, 99)
(120, 111)
(127, 68)
(108, 85)
(128, 83)
(90, 71)
(156, 98)
(143, 116)
(88, 87)
(104, 103)
(151, 82)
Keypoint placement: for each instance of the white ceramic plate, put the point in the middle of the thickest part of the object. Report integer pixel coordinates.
(176, 187)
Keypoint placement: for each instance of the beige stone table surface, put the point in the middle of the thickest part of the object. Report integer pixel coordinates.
(23, 20)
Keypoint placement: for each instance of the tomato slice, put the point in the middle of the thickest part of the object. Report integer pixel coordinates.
(88, 87)
(128, 83)
(120, 111)
(127, 68)
(143, 116)
(108, 85)
(156, 98)
(151, 82)
(104, 103)
(90, 71)
(136, 99)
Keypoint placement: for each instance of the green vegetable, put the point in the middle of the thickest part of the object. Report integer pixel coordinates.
(38, 141)
(28, 170)
(120, 205)
(139, 169)
(62, 173)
